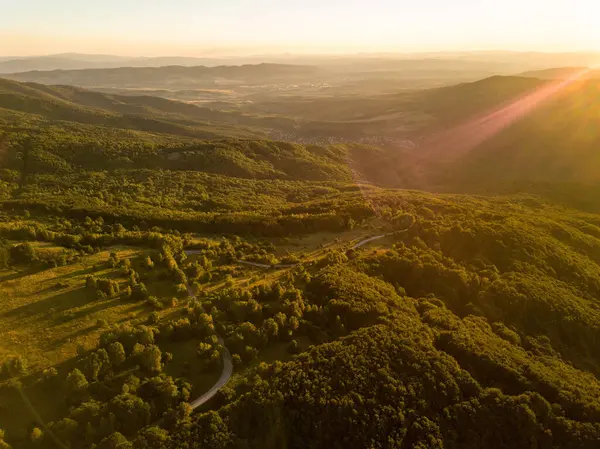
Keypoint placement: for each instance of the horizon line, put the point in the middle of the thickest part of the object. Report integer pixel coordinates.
(305, 54)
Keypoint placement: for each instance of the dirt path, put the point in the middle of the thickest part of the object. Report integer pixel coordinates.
(225, 374)
(264, 265)
(223, 379)
(225, 354)
(370, 239)
(281, 266)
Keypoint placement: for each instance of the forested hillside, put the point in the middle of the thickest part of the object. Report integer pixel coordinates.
(152, 249)
(149, 114)
(498, 135)
(536, 138)
(488, 322)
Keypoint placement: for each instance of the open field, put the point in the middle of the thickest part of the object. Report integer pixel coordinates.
(45, 316)
(50, 319)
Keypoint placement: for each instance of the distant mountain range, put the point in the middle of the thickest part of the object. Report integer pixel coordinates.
(169, 76)
(496, 61)
(563, 73)
(74, 61)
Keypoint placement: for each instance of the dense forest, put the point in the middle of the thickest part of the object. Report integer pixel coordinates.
(148, 247)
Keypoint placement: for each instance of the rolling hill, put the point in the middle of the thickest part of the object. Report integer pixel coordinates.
(492, 132)
(494, 135)
(70, 128)
(562, 73)
(77, 61)
(542, 132)
(155, 115)
(182, 77)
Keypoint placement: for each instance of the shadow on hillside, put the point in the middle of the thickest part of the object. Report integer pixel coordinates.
(89, 270)
(174, 314)
(62, 303)
(137, 307)
(37, 403)
(79, 333)
(20, 274)
(67, 315)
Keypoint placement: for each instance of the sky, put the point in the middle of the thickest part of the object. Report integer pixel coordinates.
(221, 27)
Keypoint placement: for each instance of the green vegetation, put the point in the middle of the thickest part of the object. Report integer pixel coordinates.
(126, 257)
(480, 318)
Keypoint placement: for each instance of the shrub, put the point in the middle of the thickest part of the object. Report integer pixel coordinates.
(36, 435)
(293, 347)
(181, 290)
(139, 292)
(148, 263)
(167, 357)
(49, 374)
(23, 253)
(108, 286)
(237, 360)
(154, 302)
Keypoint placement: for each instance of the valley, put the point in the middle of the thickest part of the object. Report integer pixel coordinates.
(278, 255)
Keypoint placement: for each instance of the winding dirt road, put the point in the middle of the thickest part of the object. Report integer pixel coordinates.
(281, 266)
(364, 242)
(225, 354)
(225, 374)
(223, 379)
(264, 265)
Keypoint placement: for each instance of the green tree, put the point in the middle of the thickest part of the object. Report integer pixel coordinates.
(76, 382)
(131, 412)
(151, 438)
(23, 253)
(36, 435)
(91, 282)
(271, 329)
(116, 353)
(115, 441)
(150, 359)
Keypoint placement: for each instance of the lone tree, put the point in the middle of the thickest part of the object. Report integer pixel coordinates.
(76, 382)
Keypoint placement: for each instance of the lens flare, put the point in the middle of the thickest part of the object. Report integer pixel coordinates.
(477, 130)
(449, 145)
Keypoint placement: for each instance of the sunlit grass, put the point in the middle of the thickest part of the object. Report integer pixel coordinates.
(46, 315)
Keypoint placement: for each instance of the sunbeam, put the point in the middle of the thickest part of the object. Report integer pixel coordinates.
(480, 128)
(451, 144)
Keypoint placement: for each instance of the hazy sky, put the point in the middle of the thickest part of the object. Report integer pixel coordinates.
(193, 27)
